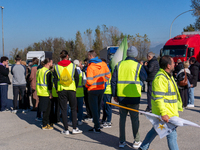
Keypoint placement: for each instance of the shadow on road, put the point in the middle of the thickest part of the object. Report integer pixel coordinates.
(101, 138)
(194, 109)
(29, 117)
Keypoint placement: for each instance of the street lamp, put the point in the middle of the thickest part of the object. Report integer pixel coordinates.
(2, 29)
(175, 19)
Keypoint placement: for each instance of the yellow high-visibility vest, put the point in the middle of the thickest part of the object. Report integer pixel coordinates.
(41, 85)
(54, 93)
(71, 70)
(108, 87)
(80, 90)
(165, 97)
(128, 84)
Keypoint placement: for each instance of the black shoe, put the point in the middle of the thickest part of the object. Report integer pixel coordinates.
(95, 130)
(34, 109)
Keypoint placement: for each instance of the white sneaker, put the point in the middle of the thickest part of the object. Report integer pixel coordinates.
(136, 145)
(88, 119)
(70, 123)
(14, 111)
(190, 105)
(76, 131)
(106, 125)
(80, 123)
(66, 132)
(24, 111)
(122, 144)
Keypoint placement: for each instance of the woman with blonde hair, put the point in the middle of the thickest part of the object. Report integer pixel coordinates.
(180, 77)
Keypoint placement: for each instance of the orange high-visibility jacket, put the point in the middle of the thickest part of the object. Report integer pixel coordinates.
(97, 75)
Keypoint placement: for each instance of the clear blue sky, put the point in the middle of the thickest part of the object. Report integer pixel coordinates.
(29, 21)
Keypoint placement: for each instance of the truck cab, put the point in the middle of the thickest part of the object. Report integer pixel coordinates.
(108, 52)
(182, 47)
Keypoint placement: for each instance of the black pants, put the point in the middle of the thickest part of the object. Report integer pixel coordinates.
(45, 107)
(70, 96)
(95, 98)
(184, 96)
(88, 110)
(143, 87)
(149, 91)
(55, 110)
(16, 90)
(26, 104)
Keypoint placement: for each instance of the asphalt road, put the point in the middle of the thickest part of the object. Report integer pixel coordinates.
(21, 132)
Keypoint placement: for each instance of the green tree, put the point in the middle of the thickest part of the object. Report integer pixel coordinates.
(196, 6)
(142, 43)
(97, 44)
(114, 35)
(80, 50)
(189, 28)
(89, 39)
(58, 45)
(105, 36)
(70, 48)
(15, 52)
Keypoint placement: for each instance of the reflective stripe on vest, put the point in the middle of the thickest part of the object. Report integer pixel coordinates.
(130, 82)
(42, 87)
(165, 100)
(128, 85)
(99, 75)
(169, 88)
(44, 79)
(169, 93)
(71, 70)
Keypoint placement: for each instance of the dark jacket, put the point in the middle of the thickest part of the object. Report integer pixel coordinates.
(152, 68)
(194, 69)
(114, 80)
(181, 77)
(178, 68)
(65, 63)
(4, 72)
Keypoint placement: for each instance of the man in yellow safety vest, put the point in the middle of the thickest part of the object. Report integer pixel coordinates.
(126, 89)
(166, 101)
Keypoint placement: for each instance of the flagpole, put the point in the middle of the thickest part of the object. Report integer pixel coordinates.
(124, 107)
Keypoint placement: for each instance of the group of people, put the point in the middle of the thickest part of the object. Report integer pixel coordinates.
(53, 86)
(187, 70)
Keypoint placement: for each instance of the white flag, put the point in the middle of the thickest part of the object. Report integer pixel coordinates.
(163, 128)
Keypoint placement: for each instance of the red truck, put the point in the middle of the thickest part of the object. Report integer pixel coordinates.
(183, 46)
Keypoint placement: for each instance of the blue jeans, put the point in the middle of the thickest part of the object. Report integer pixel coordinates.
(171, 140)
(191, 96)
(107, 110)
(80, 109)
(3, 96)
